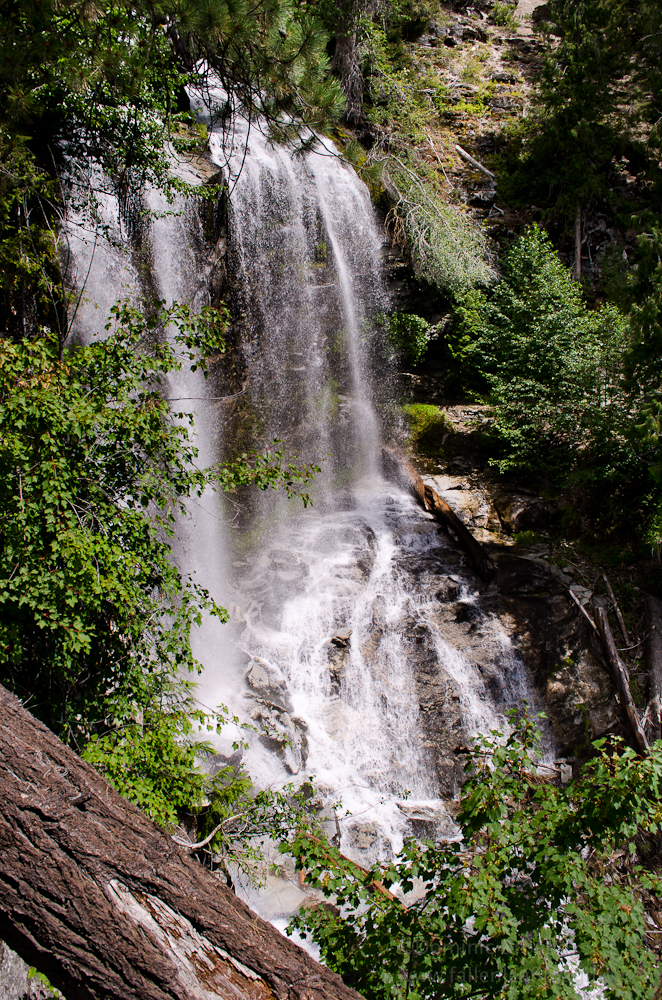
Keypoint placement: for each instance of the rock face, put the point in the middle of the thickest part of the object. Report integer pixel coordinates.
(478, 648)
(517, 575)
(532, 604)
(15, 981)
(281, 731)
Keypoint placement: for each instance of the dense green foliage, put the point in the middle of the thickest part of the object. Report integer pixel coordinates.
(554, 367)
(574, 388)
(95, 469)
(409, 334)
(546, 881)
(208, 802)
(595, 115)
(95, 618)
(429, 428)
(155, 764)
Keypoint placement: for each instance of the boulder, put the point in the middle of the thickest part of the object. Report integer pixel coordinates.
(520, 511)
(269, 689)
(284, 736)
(517, 575)
(341, 638)
(503, 103)
(504, 77)
(363, 836)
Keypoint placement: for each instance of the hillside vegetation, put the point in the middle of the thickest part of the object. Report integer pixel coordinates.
(519, 174)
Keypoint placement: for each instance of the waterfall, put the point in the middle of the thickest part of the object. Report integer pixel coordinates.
(359, 648)
(350, 667)
(319, 601)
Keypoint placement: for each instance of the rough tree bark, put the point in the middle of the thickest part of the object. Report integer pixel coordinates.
(346, 58)
(577, 265)
(105, 904)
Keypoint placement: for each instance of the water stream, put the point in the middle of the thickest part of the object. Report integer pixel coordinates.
(358, 645)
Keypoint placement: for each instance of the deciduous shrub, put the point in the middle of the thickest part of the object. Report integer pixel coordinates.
(546, 885)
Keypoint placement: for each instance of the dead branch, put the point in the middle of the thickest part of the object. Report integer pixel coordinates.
(399, 469)
(473, 161)
(617, 610)
(621, 678)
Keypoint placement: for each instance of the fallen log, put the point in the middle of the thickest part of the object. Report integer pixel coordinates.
(473, 161)
(654, 662)
(398, 469)
(106, 905)
(621, 678)
(372, 884)
(437, 505)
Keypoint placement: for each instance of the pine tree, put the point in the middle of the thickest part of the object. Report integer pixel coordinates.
(105, 82)
(576, 100)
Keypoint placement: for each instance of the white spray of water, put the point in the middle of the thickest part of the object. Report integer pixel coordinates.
(95, 253)
(326, 602)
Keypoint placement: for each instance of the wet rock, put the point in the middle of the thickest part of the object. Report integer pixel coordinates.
(363, 836)
(466, 612)
(230, 764)
(283, 735)
(341, 638)
(430, 820)
(450, 590)
(517, 575)
(338, 662)
(268, 687)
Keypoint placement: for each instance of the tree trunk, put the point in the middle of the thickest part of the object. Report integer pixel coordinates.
(105, 904)
(621, 679)
(577, 269)
(401, 471)
(654, 661)
(617, 610)
(346, 58)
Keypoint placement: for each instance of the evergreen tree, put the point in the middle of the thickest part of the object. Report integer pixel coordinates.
(573, 133)
(104, 83)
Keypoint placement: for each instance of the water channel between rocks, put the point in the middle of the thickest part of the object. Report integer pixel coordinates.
(359, 647)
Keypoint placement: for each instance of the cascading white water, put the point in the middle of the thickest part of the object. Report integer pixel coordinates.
(95, 252)
(346, 648)
(334, 605)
